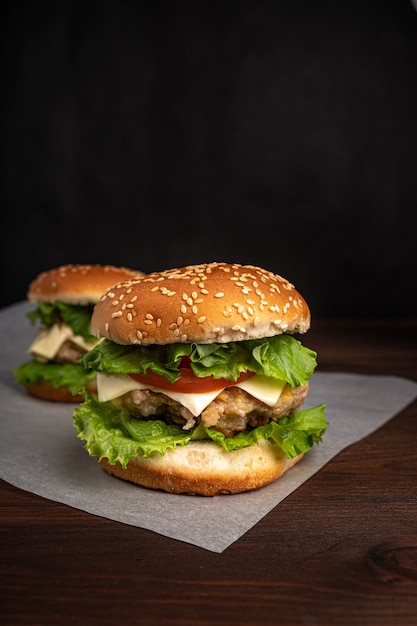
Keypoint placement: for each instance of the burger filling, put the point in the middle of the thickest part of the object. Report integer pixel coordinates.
(232, 411)
(154, 398)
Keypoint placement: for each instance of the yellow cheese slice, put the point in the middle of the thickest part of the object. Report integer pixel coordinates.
(86, 344)
(49, 341)
(265, 389)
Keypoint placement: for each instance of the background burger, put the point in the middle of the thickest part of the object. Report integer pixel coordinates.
(65, 298)
(200, 380)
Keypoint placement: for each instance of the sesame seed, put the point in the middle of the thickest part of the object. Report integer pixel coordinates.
(139, 335)
(201, 319)
(183, 308)
(148, 322)
(219, 294)
(129, 317)
(117, 314)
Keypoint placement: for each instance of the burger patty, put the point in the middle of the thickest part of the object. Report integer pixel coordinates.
(232, 411)
(69, 352)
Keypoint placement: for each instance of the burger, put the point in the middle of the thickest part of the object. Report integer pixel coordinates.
(65, 298)
(200, 380)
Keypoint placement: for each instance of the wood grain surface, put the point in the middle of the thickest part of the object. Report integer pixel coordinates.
(340, 550)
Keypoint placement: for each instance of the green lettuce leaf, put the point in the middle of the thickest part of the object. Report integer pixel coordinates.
(282, 357)
(294, 435)
(73, 376)
(78, 317)
(285, 358)
(113, 434)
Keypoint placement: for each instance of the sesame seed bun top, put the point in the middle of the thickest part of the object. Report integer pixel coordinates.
(215, 302)
(77, 284)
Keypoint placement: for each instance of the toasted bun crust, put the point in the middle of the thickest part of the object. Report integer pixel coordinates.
(77, 284)
(46, 391)
(204, 468)
(215, 302)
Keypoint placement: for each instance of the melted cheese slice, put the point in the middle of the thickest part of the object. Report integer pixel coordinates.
(265, 389)
(49, 341)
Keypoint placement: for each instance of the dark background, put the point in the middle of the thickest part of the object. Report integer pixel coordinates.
(158, 134)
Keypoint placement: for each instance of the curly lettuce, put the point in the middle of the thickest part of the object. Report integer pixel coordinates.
(113, 434)
(78, 316)
(281, 357)
(70, 375)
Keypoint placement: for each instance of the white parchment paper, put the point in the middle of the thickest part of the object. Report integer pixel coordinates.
(40, 452)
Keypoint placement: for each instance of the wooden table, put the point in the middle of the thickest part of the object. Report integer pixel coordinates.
(342, 549)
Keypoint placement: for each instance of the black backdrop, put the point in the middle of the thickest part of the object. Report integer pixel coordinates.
(158, 134)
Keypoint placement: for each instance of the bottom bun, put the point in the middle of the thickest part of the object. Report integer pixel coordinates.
(46, 391)
(206, 469)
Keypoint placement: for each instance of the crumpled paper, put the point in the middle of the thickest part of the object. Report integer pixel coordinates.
(40, 452)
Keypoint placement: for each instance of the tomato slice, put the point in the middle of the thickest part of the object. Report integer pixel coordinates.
(188, 382)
